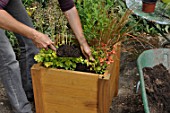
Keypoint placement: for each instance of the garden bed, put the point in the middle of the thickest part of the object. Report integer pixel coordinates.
(131, 103)
(127, 81)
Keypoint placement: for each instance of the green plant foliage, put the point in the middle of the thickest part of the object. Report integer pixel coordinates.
(94, 13)
(141, 25)
(51, 20)
(28, 2)
(14, 43)
(48, 58)
(103, 29)
(103, 20)
(104, 23)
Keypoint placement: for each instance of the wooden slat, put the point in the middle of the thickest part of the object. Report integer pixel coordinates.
(65, 88)
(72, 92)
(37, 88)
(109, 88)
(115, 73)
(103, 96)
(69, 109)
(66, 101)
(60, 78)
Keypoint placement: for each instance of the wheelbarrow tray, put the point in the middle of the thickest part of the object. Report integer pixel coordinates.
(150, 58)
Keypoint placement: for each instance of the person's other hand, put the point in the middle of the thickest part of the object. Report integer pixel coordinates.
(86, 51)
(43, 41)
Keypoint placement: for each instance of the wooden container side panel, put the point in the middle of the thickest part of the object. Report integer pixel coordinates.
(73, 92)
(109, 88)
(103, 96)
(37, 88)
(73, 80)
(63, 91)
(69, 109)
(114, 84)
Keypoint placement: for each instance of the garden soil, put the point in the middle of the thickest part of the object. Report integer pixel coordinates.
(157, 88)
(129, 98)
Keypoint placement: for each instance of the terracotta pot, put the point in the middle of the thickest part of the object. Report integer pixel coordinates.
(148, 7)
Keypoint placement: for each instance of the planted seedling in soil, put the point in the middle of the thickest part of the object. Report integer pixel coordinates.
(74, 52)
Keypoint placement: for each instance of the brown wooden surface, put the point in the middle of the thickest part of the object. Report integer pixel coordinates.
(37, 87)
(65, 91)
(109, 88)
(76, 90)
(115, 71)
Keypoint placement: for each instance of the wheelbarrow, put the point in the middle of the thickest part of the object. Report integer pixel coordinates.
(150, 58)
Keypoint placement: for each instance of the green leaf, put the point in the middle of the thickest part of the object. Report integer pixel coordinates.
(48, 64)
(68, 63)
(74, 65)
(38, 58)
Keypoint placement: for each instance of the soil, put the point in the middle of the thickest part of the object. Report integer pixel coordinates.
(157, 88)
(73, 51)
(129, 98)
(69, 51)
(128, 104)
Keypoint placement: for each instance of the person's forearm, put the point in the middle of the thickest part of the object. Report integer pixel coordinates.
(74, 21)
(41, 40)
(7, 22)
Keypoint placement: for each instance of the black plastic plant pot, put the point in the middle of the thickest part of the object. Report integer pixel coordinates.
(148, 6)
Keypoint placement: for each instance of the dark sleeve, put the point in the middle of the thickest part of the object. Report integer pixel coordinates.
(1, 6)
(66, 5)
(3, 3)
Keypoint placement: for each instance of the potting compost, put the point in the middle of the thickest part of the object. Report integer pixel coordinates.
(157, 88)
(73, 51)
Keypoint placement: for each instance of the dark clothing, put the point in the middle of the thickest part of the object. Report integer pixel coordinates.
(15, 74)
(64, 4)
(3, 3)
(11, 70)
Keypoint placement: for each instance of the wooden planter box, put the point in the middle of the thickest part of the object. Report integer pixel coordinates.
(65, 91)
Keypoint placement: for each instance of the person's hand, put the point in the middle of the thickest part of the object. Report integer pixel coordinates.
(43, 41)
(86, 51)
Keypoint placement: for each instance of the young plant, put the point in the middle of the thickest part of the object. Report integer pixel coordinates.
(49, 58)
(103, 29)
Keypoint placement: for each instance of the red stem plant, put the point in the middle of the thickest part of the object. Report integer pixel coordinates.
(116, 31)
